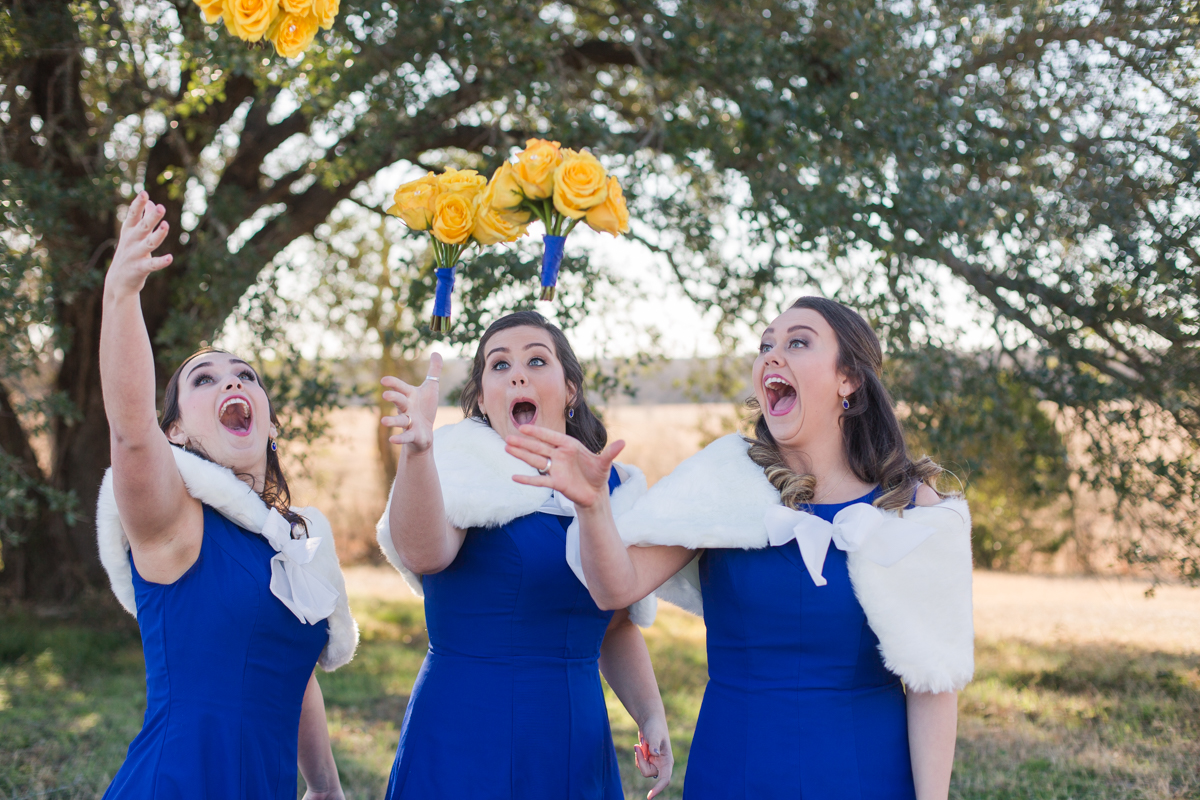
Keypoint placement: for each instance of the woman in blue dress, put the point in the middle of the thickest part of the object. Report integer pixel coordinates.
(509, 703)
(237, 595)
(833, 671)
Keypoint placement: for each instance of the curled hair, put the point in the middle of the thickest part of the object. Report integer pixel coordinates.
(275, 492)
(584, 425)
(871, 433)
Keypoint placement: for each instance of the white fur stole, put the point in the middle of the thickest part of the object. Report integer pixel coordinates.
(920, 607)
(217, 486)
(478, 491)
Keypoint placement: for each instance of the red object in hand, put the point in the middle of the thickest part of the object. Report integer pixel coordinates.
(644, 747)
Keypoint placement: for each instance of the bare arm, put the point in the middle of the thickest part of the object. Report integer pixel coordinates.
(932, 722)
(932, 728)
(616, 575)
(314, 753)
(164, 524)
(625, 662)
(426, 542)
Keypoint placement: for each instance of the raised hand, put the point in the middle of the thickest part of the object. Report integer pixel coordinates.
(653, 755)
(141, 234)
(564, 463)
(416, 407)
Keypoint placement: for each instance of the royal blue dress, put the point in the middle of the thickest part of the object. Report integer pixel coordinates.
(508, 703)
(226, 668)
(798, 703)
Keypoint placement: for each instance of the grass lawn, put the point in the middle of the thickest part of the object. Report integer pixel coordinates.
(1091, 722)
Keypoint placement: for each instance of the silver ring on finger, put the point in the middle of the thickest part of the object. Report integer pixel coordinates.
(546, 471)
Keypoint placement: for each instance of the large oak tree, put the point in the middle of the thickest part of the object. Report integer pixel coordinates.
(1040, 159)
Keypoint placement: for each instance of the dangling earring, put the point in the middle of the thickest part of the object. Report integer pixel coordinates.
(570, 413)
(274, 446)
(845, 403)
(485, 419)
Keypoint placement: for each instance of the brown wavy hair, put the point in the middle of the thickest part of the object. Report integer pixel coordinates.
(584, 425)
(275, 491)
(871, 433)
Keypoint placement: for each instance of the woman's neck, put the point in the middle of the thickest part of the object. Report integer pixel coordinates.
(826, 461)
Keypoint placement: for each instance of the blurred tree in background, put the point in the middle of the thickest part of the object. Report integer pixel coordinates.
(1032, 164)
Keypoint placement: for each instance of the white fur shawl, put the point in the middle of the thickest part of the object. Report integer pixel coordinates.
(920, 607)
(478, 492)
(218, 487)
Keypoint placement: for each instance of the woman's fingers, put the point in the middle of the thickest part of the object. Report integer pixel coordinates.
(158, 235)
(154, 212)
(161, 262)
(134, 216)
(398, 385)
(610, 453)
(397, 421)
(397, 399)
(535, 480)
(552, 438)
(535, 460)
(529, 444)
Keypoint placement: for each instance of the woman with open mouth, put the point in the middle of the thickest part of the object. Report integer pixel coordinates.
(833, 670)
(508, 703)
(238, 595)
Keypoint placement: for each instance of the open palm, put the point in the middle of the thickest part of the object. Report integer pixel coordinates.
(569, 468)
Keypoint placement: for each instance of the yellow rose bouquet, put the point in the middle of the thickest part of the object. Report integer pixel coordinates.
(457, 209)
(290, 25)
(560, 187)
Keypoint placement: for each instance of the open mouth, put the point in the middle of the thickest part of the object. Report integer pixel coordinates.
(781, 395)
(235, 415)
(524, 412)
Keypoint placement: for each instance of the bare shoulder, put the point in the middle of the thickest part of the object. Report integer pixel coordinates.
(926, 496)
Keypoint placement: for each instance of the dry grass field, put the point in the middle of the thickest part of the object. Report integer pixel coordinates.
(1084, 688)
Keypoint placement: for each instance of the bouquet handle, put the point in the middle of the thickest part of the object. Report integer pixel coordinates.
(552, 257)
(441, 300)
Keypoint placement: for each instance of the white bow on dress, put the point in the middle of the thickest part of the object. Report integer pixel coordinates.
(308, 595)
(863, 528)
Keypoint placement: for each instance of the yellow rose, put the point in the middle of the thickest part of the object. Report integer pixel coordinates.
(211, 10)
(493, 225)
(294, 33)
(250, 19)
(415, 202)
(506, 192)
(611, 216)
(454, 217)
(461, 180)
(297, 6)
(535, 167)
(325, 11)
(579, 184)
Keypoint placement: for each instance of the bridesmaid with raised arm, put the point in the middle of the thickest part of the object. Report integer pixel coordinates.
(238, 596)
(833, 671)
(508, 703)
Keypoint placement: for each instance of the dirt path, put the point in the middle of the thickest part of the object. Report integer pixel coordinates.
(1034, 608)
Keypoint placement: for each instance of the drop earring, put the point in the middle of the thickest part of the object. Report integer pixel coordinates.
(845, 403)
(570, 413)
(274, 446)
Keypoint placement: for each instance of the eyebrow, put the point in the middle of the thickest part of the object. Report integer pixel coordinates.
(505, 349)
(793, 328)
(209, 364)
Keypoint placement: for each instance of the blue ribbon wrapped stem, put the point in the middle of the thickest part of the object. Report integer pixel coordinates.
(552, 257)
(441, 300)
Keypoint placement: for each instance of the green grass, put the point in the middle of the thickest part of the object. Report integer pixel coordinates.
(1038, 722)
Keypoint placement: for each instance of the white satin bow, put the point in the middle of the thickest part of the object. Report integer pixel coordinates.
(862, 528)
(558, 505)
(306, 594)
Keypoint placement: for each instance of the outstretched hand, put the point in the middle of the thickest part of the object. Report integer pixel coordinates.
(416, 407)
(564, 464)
(141, 234)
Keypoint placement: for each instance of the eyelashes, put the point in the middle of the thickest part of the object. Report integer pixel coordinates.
(204, 378)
